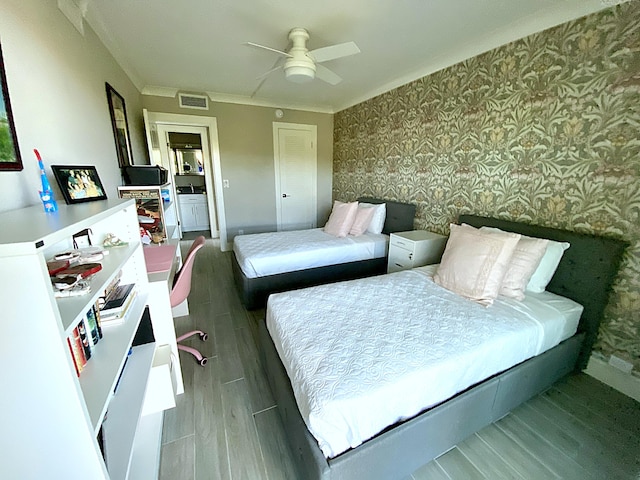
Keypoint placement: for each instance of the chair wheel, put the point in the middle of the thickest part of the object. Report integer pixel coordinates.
(204, 337)
(203, 362)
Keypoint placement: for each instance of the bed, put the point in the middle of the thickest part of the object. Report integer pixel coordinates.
(584, 276)
(339, 258)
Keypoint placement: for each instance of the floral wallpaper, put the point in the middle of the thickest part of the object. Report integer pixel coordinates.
(544, 130)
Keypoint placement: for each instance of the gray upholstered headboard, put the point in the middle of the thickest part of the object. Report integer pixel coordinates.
(399, 215)
(585, 274)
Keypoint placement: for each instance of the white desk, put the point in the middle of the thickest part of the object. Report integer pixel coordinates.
(162, 264)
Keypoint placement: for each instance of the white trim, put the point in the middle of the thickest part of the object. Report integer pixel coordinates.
(623, 382)
(74, 12)
(159, 91)
(313, 130)
(246, 100)
(214, 149)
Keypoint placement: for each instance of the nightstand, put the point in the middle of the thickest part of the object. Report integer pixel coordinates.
(414, 248)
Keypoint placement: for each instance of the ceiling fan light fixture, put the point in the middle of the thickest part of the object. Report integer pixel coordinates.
(300, 73)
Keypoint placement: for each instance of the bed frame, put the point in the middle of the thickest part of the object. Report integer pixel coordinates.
(254, 291)
(585, 274)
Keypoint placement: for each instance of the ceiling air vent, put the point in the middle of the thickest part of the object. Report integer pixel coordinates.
(199, 102)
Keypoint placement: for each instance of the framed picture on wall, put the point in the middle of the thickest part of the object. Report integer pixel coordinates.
(79, 183)
(9, 151)
(120, 126)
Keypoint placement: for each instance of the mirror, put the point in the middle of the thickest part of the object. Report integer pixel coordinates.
(189, 162)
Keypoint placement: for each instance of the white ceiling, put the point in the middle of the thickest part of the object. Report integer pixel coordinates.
(197, 46)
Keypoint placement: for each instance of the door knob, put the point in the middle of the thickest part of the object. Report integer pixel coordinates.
(284, 195)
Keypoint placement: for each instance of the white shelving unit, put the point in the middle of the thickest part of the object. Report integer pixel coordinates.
(51, 417)
(148, 194)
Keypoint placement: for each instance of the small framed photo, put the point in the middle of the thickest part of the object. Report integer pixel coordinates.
(79, 183)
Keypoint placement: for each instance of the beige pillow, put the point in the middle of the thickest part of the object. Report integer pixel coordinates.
(474, 263)
(526, 258)
(362, 221)
(341, 219)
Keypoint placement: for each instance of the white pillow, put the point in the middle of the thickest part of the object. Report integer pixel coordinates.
(362, 221)
(475, 262)
(547, 267)
(526, 258)
(341, 219)
(377, 222)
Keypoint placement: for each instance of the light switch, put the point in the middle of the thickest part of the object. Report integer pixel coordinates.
(225, 183)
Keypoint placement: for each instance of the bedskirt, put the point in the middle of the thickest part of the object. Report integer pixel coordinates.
(255, 291)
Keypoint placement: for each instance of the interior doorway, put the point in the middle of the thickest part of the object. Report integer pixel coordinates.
(187, 146)
(185, 149)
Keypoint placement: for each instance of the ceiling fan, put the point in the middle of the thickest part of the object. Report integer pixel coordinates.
(302, 65)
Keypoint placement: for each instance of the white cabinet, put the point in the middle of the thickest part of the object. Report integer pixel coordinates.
(194, 213)
(50, 416)
(156, 207)
(414, 248)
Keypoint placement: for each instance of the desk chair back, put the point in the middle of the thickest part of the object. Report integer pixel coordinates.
(182, 280)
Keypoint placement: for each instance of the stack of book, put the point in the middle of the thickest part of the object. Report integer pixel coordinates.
(84, 337)
(116, 304)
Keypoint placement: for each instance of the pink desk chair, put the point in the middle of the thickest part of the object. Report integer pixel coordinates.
(180, 291)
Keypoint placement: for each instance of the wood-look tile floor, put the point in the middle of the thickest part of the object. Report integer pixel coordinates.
(226, 424)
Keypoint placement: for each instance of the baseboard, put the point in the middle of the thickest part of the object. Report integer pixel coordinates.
(623, 382)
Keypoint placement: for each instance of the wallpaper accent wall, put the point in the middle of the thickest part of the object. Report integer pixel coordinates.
(544, 130)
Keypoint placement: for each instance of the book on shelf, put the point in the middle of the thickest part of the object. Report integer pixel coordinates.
(93, 327)
(116, 316)
(85, 339)
(112, 286)
(77, 350)
(117, 298)
(96, 312)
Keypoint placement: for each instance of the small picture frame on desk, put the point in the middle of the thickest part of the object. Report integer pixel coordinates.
(79, 183)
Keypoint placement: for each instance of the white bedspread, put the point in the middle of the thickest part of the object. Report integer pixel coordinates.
(365, 354)
(271, 253)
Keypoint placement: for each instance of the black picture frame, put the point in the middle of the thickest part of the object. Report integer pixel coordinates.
(120, 126)
(10, 159)
(79, 183)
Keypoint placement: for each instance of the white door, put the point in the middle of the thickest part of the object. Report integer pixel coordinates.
(296, 175)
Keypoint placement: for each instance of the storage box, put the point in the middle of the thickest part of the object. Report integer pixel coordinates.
(145, 175)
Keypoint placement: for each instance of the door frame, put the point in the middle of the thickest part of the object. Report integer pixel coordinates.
(211, 124)
(313, 130)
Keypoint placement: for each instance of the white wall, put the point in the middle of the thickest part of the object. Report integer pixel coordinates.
(56, 79)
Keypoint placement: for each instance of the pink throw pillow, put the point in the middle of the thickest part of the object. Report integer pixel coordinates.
(526, 258)
(362, 221)
(341, 219)
(474, 263)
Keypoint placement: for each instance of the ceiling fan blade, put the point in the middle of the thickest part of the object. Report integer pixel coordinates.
(257, 45)
(277, 65)
(332, 52)
(268, 72)
(323, 73)
(258, 87)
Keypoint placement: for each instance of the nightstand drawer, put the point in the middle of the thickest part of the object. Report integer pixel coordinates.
(401, 242)
(414, 248)
(399, 259)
